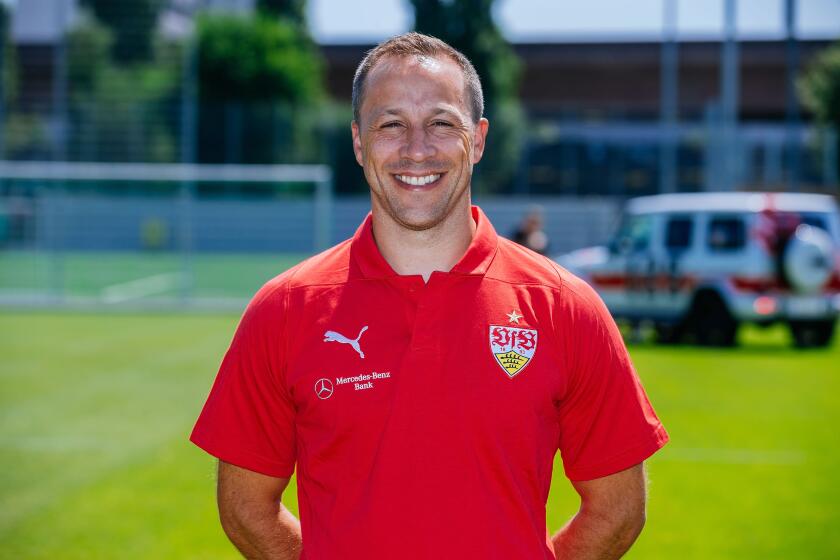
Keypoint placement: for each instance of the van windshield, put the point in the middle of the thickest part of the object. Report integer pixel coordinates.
(633, 234)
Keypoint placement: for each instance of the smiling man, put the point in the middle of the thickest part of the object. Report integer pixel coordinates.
(422, 375)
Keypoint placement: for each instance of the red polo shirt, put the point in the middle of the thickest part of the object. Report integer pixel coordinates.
(424, 417)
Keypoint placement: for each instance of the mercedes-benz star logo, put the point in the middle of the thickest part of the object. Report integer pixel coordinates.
(323, 388)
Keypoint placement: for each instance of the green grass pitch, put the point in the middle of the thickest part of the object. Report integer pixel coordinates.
(96, 410)
(92, 274)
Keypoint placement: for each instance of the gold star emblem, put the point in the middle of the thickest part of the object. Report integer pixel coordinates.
(514, 316)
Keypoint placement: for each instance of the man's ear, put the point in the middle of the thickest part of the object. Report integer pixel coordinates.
(479, 139)
(357, 142)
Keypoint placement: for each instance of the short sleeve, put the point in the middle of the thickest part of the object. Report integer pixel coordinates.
(607, 423)
(248, 418)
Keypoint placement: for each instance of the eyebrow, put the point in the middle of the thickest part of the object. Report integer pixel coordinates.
(449, 112)
(400, 113)
(390, 112)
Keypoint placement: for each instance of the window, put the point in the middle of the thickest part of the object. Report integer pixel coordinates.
(815, 220)
(634, 234)
(726, 233)
(678, 232)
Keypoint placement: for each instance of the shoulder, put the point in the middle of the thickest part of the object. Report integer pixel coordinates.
(328, 268)
(324, 269)
(574, 298)
(516, 264)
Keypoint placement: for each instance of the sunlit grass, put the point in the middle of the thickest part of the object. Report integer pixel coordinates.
(96, 410)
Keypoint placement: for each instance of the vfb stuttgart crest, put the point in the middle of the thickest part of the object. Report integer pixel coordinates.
(512, 347)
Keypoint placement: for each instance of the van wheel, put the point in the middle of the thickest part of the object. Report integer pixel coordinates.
(812, 334)
(667, 333)
(711, 323)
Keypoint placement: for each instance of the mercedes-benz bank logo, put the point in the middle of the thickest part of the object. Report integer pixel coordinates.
(323, 388)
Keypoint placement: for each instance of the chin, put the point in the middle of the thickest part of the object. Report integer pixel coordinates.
(419, 211)
(418, 220)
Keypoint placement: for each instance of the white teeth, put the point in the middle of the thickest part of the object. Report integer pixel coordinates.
(418, 180)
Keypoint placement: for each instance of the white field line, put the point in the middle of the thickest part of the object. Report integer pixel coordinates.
(142, 287)
(733, 456)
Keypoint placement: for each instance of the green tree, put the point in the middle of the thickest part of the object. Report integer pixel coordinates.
(260, 80)
(133, 23)
(17, 131)
(468, 26)
(88, 55)
(819, 88)
(7, 57)
(294, 10)
(119, 112)
(256, 58)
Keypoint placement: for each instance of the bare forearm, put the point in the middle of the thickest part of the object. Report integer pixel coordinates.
(592, 536)
(265, 532)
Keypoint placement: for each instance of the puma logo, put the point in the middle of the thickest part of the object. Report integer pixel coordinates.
(332, 336)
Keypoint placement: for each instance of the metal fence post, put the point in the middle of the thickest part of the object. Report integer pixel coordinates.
(729, 99)
(187, 190)
(669, 99)
(323, 210)
(792, 123)
(52, 204)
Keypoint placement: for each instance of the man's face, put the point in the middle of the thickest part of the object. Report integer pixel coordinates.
(416, 139)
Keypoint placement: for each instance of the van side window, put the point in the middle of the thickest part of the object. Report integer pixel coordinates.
(815, 220)
(678, 233)
(726, 233)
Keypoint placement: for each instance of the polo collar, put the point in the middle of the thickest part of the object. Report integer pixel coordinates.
(476, 260)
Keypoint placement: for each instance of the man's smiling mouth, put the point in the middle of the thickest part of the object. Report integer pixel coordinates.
(418, 181)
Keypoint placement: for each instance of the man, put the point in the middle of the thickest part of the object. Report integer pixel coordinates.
(422, 375)
(529, 233)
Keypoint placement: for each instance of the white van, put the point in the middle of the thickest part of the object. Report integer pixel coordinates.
(698, 265)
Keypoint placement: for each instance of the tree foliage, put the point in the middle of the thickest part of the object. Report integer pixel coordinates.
(257, 58)
(88, 55)
(118, 111)
(819, 88)
(294, 10)
(468, 26)
(9, 60)
(260, 81)
(133, 24)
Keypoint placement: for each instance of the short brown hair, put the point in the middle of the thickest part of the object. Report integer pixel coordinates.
(417, 44)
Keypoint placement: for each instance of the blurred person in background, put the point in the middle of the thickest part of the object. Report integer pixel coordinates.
(421, 376)
(530, 232)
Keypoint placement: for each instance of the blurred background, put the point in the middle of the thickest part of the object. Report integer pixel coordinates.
(163, 156)
(589, 105)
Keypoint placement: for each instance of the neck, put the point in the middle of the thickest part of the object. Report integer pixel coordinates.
(412, 252)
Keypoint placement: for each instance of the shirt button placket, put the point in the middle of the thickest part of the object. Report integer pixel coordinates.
(424, 337)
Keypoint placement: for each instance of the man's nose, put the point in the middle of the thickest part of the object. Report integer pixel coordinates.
(418, 145)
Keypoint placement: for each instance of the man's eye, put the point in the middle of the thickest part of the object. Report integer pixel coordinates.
(442, 123)
(393, 124)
